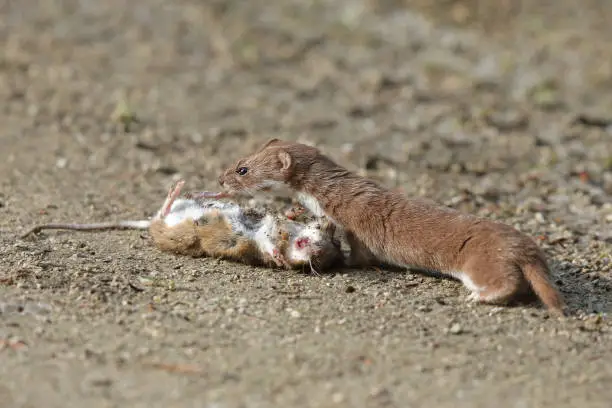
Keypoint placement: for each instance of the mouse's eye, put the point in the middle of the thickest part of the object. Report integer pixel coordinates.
(242, 171)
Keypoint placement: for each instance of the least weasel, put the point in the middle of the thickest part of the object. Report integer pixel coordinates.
(494, 261)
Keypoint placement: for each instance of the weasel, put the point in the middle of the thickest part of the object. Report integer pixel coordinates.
(199, 227)
(496, 262)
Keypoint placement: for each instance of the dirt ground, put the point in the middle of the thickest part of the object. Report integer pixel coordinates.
(502, 109)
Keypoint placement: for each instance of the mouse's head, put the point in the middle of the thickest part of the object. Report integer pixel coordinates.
(315, 246)
(273, 165)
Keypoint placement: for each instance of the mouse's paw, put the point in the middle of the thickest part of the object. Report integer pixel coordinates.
(279, 259)
(294, 212)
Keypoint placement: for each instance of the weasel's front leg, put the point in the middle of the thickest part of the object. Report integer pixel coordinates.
(360, 255)
(210, 194)
(328, 227)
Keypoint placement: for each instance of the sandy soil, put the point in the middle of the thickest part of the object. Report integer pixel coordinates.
(502, 111)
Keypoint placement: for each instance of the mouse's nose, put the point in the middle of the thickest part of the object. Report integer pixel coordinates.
(220, 180)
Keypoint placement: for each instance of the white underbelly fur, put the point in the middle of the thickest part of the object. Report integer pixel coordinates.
(311, 204)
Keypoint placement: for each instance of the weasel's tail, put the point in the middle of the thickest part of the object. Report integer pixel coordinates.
(99, 226)
(538, 277)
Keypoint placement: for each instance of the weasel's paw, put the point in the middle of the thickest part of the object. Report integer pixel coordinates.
(473, 297)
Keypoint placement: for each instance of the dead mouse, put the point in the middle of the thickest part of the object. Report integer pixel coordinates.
(205, 227)
(496, 262)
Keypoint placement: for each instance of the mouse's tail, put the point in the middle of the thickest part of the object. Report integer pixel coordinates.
(99, 226)
(537, 274)
(135, 224)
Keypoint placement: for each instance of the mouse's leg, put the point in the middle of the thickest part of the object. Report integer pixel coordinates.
(269, 243)
(173, 194)
(272, 253)
(295, 212)
(280, 259)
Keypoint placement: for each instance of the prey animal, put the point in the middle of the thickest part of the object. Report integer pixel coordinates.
(200, 227)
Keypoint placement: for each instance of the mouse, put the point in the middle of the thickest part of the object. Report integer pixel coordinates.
(494, 261)
(201, 225)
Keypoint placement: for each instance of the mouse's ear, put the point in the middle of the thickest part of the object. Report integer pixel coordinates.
(285, 160)
(269, 143)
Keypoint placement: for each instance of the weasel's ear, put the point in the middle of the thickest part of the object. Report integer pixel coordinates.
(285, 160)
(269, 143)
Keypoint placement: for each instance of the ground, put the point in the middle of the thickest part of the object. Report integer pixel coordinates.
(502, 110)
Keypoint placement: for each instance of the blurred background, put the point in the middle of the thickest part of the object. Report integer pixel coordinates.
(499, 108)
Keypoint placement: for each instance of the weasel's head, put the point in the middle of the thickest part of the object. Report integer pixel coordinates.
(274, 165)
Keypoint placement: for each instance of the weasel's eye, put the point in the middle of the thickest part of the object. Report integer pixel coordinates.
(242, 171)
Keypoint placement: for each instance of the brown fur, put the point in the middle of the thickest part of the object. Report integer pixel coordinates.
(382, 224)
(214, 239)
(220, 235)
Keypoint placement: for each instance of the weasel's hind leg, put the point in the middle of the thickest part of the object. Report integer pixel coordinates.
(493, 283)
(501, 293)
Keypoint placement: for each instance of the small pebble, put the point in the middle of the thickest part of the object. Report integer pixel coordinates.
(33, 110)
(294, 313)
(507, 120)
(61, 163)
(337, 398)
(197, 137)
(455, 329)
(496, 310)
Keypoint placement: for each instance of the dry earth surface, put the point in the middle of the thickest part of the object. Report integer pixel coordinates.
(503, 109)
